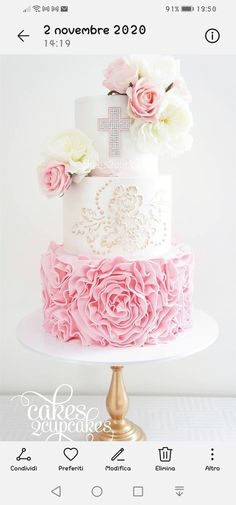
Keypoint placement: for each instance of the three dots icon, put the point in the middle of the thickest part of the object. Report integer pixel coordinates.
(212, 454)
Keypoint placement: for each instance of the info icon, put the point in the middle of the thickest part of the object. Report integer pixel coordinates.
(165, 454)
(212, 35)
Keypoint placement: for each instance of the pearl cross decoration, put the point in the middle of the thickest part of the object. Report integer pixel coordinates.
(114, 124)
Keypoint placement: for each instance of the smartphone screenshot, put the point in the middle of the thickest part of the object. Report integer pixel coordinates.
(118, 272)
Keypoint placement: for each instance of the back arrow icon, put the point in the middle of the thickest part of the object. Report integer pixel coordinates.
(21, 36)
(57, 491)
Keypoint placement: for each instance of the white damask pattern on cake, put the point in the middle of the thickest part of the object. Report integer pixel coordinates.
(130, 222)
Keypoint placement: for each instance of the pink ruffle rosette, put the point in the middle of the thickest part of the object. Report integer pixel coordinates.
(116, 301)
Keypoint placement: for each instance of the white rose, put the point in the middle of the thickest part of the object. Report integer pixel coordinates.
(170, 132)
(175, 116)
(147, 136)
(160, 69)
(76, 149)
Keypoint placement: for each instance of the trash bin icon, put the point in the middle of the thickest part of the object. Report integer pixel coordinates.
(165, 454)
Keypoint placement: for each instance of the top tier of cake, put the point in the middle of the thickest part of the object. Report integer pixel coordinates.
(105, 120)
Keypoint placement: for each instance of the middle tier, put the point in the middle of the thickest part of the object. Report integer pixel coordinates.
(118, 216)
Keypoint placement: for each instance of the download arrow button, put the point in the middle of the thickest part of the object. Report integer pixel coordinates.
(179, 490)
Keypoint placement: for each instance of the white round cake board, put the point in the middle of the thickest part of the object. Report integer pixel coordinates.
(31, 334)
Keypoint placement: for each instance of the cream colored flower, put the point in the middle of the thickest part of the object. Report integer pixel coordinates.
(170, 132)
(163, 70)
(175, 116)
(74, 148)
(147, 136)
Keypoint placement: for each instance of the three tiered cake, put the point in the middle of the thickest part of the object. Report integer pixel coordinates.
(118, 280)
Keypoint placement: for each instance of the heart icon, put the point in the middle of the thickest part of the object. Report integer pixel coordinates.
(70, 453)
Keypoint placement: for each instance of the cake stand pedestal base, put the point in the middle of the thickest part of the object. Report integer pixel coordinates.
(117, 427)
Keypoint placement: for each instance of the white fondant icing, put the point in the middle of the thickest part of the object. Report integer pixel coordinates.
(129, 162)
(112, 216)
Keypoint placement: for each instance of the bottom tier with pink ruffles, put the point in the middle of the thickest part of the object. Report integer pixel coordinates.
(116, 301)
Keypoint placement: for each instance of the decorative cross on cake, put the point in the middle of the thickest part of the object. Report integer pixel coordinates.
(114, 124)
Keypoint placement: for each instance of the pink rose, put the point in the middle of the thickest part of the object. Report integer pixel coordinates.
(119, 74)
(54, 178)
(144, 100)
(116, 301)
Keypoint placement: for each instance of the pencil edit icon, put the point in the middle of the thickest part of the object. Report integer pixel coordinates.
(117, 454)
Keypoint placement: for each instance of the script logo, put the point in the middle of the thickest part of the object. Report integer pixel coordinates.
(57, 418)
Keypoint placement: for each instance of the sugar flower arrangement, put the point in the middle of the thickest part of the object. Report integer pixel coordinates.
(158, 101)
(69, 155)
(158, 105)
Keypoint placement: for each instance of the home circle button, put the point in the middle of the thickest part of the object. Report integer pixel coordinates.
(97, 491)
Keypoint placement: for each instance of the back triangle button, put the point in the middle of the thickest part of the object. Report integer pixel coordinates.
(57, 491)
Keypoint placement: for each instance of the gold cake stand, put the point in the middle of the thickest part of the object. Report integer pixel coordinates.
(203, 333)
(117, 405)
